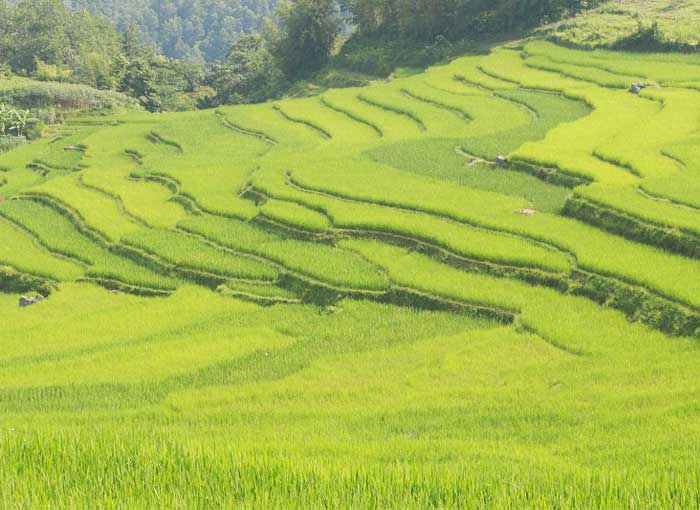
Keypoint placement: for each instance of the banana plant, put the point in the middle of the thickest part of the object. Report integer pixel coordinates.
(21, 120)
(5, 117)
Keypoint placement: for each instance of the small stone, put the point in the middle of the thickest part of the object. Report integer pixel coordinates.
(635, 88)
(501, 162)
(527, 212)
(25, 301)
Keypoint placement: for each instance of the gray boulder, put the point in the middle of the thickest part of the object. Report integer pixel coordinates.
(25, 301)
(635, 88)
(527, 212)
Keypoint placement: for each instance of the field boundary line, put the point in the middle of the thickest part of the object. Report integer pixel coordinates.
(393, 109)
(459, 221)
(666, 200)
(677, 304)
(127, 288)
(317, 129)
(192, 273)
(461, 114)
(55, 251)
(117, 198)
(522, 326)
(311, 279)
(226, 121)
(154, 137)
(352, 116)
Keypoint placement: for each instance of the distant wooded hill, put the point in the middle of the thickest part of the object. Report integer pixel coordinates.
(192, 29)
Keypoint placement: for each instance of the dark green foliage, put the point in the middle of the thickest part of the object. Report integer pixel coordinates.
(8, 143)
(18, 123)
(380, 54)
(15, 282)
(63, 95)
(647, 37)
(38, 34)
(41, 36)
(248, 75)
(44, 40)
(624, 224)
(198, 30)
(425, 19)
(637, 304)
(138, 82)
(308, 30)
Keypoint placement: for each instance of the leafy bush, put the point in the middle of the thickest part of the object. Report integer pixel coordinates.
(10, 142)
(64, 95)
(380, 55)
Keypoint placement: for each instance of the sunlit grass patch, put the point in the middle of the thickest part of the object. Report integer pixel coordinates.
(319, 261)
(295, 215)
(189, 252)
(373, 303)
(18, 249)
(59, 234)
(442, 159)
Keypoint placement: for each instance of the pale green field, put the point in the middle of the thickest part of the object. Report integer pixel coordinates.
(615, 22)
(343, 302)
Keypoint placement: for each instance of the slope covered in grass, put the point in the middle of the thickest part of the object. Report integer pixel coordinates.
(618, 23)
(481, 281)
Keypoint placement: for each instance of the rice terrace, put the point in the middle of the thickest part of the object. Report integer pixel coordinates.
(471, 286)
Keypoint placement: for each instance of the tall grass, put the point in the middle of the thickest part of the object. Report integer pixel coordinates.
(161, 474)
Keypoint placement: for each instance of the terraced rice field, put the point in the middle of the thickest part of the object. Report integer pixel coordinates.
(474, 287)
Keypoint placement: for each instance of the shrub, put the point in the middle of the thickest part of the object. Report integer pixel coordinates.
(64, 95)
(10, 142)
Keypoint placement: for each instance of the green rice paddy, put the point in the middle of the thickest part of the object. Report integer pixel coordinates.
(348, 301)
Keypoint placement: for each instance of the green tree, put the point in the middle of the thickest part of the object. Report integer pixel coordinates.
(94, 46)
(6, 114)
(307, 33)
(37, 30)
(20, 121)
(132, 44)
(139, 81)
(248, 75)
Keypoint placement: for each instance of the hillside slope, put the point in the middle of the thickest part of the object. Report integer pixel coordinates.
(617, 23)
(193, 29)
(480, 282)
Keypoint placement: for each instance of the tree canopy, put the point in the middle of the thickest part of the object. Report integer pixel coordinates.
(307, 32)
(425, 19)
(199, 30)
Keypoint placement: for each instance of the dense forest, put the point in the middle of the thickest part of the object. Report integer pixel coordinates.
(185, 54)
(426, 19)
(198, 30)
(204, 30)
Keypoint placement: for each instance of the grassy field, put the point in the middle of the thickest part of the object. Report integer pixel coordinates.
(617, 23)
(473, 287)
